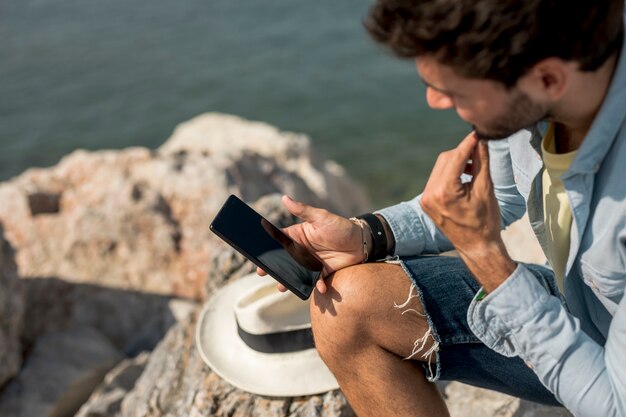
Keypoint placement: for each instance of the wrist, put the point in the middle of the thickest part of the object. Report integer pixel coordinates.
(378, 235)
(391, 240)
(365, 239)
(490, 264)
(369, 240)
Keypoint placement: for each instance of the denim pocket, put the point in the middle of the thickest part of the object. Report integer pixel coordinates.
(607, 285)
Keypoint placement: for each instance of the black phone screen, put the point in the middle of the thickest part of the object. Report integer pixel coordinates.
(267, 246)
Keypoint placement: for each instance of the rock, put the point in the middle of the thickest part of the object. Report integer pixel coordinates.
(11, 313)
(113, 248)
(177, 383)
(137, 220)
(107, 399)
(261, 160)
(522, 244)
(59, 374)
(181, 309)
(133, 321)
(467, 401)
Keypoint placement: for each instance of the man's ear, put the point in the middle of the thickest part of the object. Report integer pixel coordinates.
(549, 79)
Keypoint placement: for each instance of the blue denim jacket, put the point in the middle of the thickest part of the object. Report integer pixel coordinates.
(578, 350)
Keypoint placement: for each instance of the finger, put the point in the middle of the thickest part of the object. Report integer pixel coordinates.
(451, 164)
(480, 165)
(460, 157)
(281, 287)
(260, 272)
(465, 149)
(302, 211)
(321, 286)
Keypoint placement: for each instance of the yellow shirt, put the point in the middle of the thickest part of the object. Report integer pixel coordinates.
(556, 209)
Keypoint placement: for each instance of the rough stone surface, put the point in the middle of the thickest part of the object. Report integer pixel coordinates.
(107, 399)
(110, 240)
(132, 320)
(11, 313)
(467, 401)
(59, 374)
(138, 220)
(522, 244)
(177, 383)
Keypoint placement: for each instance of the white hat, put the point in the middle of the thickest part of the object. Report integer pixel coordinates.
(260, 340)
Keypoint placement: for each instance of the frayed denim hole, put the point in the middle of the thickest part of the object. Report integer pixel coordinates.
(420, 343)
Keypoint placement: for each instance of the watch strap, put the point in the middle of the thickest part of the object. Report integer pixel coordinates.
(379, 237)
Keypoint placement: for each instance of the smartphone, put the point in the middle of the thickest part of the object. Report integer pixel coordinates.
(267, 247)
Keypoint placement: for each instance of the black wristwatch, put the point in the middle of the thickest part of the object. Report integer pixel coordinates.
(379, 237)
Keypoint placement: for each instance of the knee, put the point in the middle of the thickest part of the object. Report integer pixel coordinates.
(339, 317)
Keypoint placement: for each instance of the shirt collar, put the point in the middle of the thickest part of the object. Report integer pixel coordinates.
(606, 124)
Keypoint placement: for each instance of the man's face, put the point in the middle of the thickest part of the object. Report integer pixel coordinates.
(492, 110)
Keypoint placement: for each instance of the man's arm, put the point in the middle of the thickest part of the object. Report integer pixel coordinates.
(412, 232)
(520, 318)
(468, 212)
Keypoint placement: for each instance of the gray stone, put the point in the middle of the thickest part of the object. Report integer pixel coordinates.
(114, 240)
(11, 313)
(521, 242)
(137, 220)
(107, 399)
(467, 401)
(177, 383)
(59, 374)
(133, 321)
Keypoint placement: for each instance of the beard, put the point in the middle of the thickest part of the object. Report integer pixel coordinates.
(520, 113)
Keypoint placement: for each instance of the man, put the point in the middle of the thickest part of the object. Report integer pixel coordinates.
(548, 77)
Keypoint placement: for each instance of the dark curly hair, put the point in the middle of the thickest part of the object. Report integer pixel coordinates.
(499, 39)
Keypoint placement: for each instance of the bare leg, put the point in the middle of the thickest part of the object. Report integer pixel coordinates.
(363, 339)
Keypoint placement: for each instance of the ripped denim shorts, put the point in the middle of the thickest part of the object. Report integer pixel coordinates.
(445, 287)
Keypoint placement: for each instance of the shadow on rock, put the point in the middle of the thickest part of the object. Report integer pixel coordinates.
(74, 334)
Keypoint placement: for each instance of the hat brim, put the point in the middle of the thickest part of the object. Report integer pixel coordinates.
(270, 374)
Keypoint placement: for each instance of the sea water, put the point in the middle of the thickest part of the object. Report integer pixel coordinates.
(101, 74)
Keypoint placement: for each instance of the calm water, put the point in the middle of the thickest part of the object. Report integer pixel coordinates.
(117, 73)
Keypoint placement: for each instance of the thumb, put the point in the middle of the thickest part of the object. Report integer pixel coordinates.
(480, 163)
(300, 210)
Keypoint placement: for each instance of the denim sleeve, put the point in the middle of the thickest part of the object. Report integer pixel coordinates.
(511, 202)
(521, 318)
(414, 231)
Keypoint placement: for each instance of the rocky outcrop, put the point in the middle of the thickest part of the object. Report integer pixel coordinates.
(107, 399)
(467, 401)
(11, 313)
(110, 241)
(177, 383)
(59, 375)
(522, 244)
(115, 256)
(137, 219)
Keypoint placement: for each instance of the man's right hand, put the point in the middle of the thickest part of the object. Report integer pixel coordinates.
(334, 240)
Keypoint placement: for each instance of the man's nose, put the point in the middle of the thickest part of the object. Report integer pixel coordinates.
(438, 100)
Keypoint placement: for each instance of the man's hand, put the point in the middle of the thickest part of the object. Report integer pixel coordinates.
(468, 213)
(335, 240)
